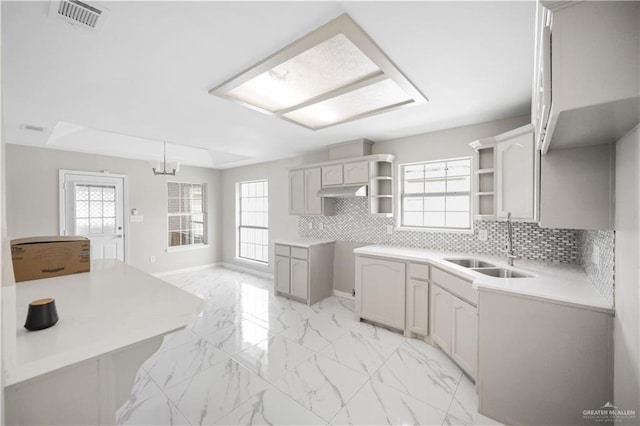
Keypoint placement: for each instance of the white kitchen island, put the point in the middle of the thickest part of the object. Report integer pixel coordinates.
(82, 369)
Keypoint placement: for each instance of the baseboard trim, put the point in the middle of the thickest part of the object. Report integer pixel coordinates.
(343, 294)
(247, 270)
(189, 269)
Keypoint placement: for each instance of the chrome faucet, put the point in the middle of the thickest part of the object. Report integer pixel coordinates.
(511, 254)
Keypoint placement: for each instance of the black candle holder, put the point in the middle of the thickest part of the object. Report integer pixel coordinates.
(42, 314)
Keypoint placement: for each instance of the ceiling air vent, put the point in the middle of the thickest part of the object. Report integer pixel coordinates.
(78, 13)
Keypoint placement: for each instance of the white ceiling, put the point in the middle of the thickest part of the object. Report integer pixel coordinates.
(146, 74)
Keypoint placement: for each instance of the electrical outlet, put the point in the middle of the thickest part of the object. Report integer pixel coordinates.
(482, 235)
(595, 255)
(310, 226)
(321, 226)
(152, 259)
(389, 229)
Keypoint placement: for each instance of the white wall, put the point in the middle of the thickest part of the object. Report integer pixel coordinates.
(33, 205)
(281, 224)
(626, 332)
(3, 230)
(450, 143)
(428, 146)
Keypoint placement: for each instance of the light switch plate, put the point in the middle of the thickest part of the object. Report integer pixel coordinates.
(321, 226)
(482, 235)
(389, 229)
(310, 226)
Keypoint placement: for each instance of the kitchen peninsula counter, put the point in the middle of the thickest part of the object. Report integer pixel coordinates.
(81, 369)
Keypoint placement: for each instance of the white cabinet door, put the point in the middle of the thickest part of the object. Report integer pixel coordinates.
(417, 306)
(299, 278)
(516, 178)
(356, 172)
(440, 316)
(332, 175)
(282, 274)
(296, 192)
(380, 291)
(312, 184)
(464, 335)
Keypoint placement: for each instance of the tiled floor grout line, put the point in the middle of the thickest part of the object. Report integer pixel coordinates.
(453, 397)
(167, 397)
(270, 383)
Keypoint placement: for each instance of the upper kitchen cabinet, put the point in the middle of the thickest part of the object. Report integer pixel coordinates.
(507, 176)
(304, 185)
(586, 85)
(345, 174)
(314, 187)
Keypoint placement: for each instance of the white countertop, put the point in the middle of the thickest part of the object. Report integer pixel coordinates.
(301, 242)
(113, 306)
(562, 283)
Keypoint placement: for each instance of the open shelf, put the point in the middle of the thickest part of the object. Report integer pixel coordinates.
(381, 205)
(381, 188)
(485, 183)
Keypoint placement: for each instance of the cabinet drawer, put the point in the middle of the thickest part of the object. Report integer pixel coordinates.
(281, 250)
(419, 271)
(356, 172)
(299, 253)
(455, 285)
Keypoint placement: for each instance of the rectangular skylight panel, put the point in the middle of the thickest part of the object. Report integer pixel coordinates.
(331, 64)
(368, 99)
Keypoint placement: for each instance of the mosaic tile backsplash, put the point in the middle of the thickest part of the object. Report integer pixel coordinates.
(352, 222)
(600, 267)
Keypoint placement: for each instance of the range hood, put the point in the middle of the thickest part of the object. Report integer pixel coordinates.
(344, 191)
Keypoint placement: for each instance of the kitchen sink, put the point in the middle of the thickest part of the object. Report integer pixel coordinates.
(501, 273)
(470, 263)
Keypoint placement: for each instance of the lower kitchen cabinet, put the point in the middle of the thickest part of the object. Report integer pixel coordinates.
(299, 278)
(380, 291)
(441, 317)
(282, 273)
(417, 303)
(454, 326)
(464, 335)
(536, 353)
(304, 271)
(421, 300)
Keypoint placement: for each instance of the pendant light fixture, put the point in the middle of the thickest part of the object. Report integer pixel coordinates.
(163, 172)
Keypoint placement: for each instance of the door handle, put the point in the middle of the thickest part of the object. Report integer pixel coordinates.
(119, 236)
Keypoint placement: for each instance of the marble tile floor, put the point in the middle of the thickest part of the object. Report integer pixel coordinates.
(252, 357)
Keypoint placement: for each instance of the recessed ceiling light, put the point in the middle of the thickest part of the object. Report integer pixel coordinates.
(332, 75)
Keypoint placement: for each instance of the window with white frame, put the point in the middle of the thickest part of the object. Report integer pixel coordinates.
(253, 220)
(436, 194)
(187, 214)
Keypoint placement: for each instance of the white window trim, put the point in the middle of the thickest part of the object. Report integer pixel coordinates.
(186, 248)
(398, 201)
(237, 257)
(435, 230)
(205, 213)
(253, 263)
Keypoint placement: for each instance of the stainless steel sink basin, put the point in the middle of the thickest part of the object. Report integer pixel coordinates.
(471, 263)
(501, 273)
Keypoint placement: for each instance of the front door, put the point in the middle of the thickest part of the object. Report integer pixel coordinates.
(92, 205)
